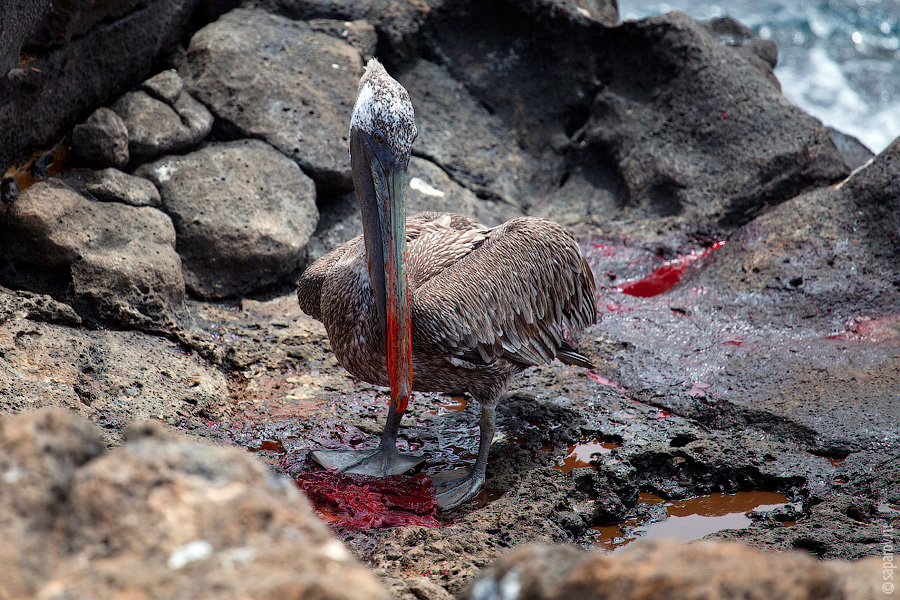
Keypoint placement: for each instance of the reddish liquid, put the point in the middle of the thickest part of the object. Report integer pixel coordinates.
(363, 502)
(664, 278)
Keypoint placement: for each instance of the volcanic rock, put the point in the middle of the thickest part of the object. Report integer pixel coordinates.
(162, 126)
(112, 185)
(115, 263)
(116, 45)
(265, 76)
(160, 517)
(243, 212)
(101, 141)
(668, 569)
(704, 135)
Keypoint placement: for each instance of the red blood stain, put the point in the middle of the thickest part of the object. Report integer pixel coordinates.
(869, 328)
(364, 502)
(698, 388)
(606, 250)
(663, 414)
(662, 279)
(613, 307)
(734, 340)
(607, 382)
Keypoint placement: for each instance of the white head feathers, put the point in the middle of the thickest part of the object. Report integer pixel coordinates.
(382, 103)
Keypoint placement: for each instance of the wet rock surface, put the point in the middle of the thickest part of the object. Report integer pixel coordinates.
(164, 291)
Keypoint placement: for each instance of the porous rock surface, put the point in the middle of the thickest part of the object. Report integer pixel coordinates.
(162, 516)
(243, 213)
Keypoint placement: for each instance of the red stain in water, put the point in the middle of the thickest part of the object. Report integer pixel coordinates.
(665, 277)
(698, 388)
(663, 414)
(606, 249)
(364, 502)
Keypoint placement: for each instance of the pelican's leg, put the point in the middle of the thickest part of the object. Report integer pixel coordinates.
(454, 488)
(384, 461)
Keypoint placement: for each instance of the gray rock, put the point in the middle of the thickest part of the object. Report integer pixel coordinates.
(112, 185)
(156, 128)
(460, 135)
(101, 141)
(41, 101)
(269, 77)
(398, 24)
(853, 151)
(243, 211)
(165, 86)
(703, 135)
(120, 260)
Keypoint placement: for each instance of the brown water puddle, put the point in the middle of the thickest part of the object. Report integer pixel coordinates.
(693, 518)
(53, 160)
(581, 454)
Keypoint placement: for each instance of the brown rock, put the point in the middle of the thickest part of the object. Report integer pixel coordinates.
(669, 569)
(161, 517)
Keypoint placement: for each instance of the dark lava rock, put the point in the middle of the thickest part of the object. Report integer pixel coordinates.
(243, 212)
(156, 127)
(265, 76)
(473, 146)
(702, 135)
(112, 185)
(103, 522)
(116, 263)
(397, 24)
(854, 152)
(116, 46)
(101, 141)
(667, 569)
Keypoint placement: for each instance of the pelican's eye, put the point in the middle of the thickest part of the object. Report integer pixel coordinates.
(378, 137)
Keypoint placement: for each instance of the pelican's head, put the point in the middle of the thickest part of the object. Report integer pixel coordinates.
(382, 131)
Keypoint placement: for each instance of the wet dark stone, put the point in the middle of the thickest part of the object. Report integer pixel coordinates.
(9, 190)
(39, 168)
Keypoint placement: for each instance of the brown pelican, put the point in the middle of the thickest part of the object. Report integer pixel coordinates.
(450, 306)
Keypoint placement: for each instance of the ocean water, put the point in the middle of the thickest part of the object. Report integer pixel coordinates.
(839, 60)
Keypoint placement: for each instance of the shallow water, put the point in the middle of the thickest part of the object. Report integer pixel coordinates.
(838, 60)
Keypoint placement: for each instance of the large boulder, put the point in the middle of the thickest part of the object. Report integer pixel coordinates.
(243, 212)
(161, 517)
(265, 76)
(113, 262)
(90, 52)
(703, 134)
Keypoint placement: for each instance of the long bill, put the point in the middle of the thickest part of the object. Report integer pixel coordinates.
(381, 188)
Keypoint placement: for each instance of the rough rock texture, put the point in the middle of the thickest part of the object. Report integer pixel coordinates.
(112, 185)
(243, 213)
(706, 570)
(108, 377)
(265, 76)
(101, 141)
(703, 134)
(113, 262)
(64, 83)
(158, 126)
(160, 517)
